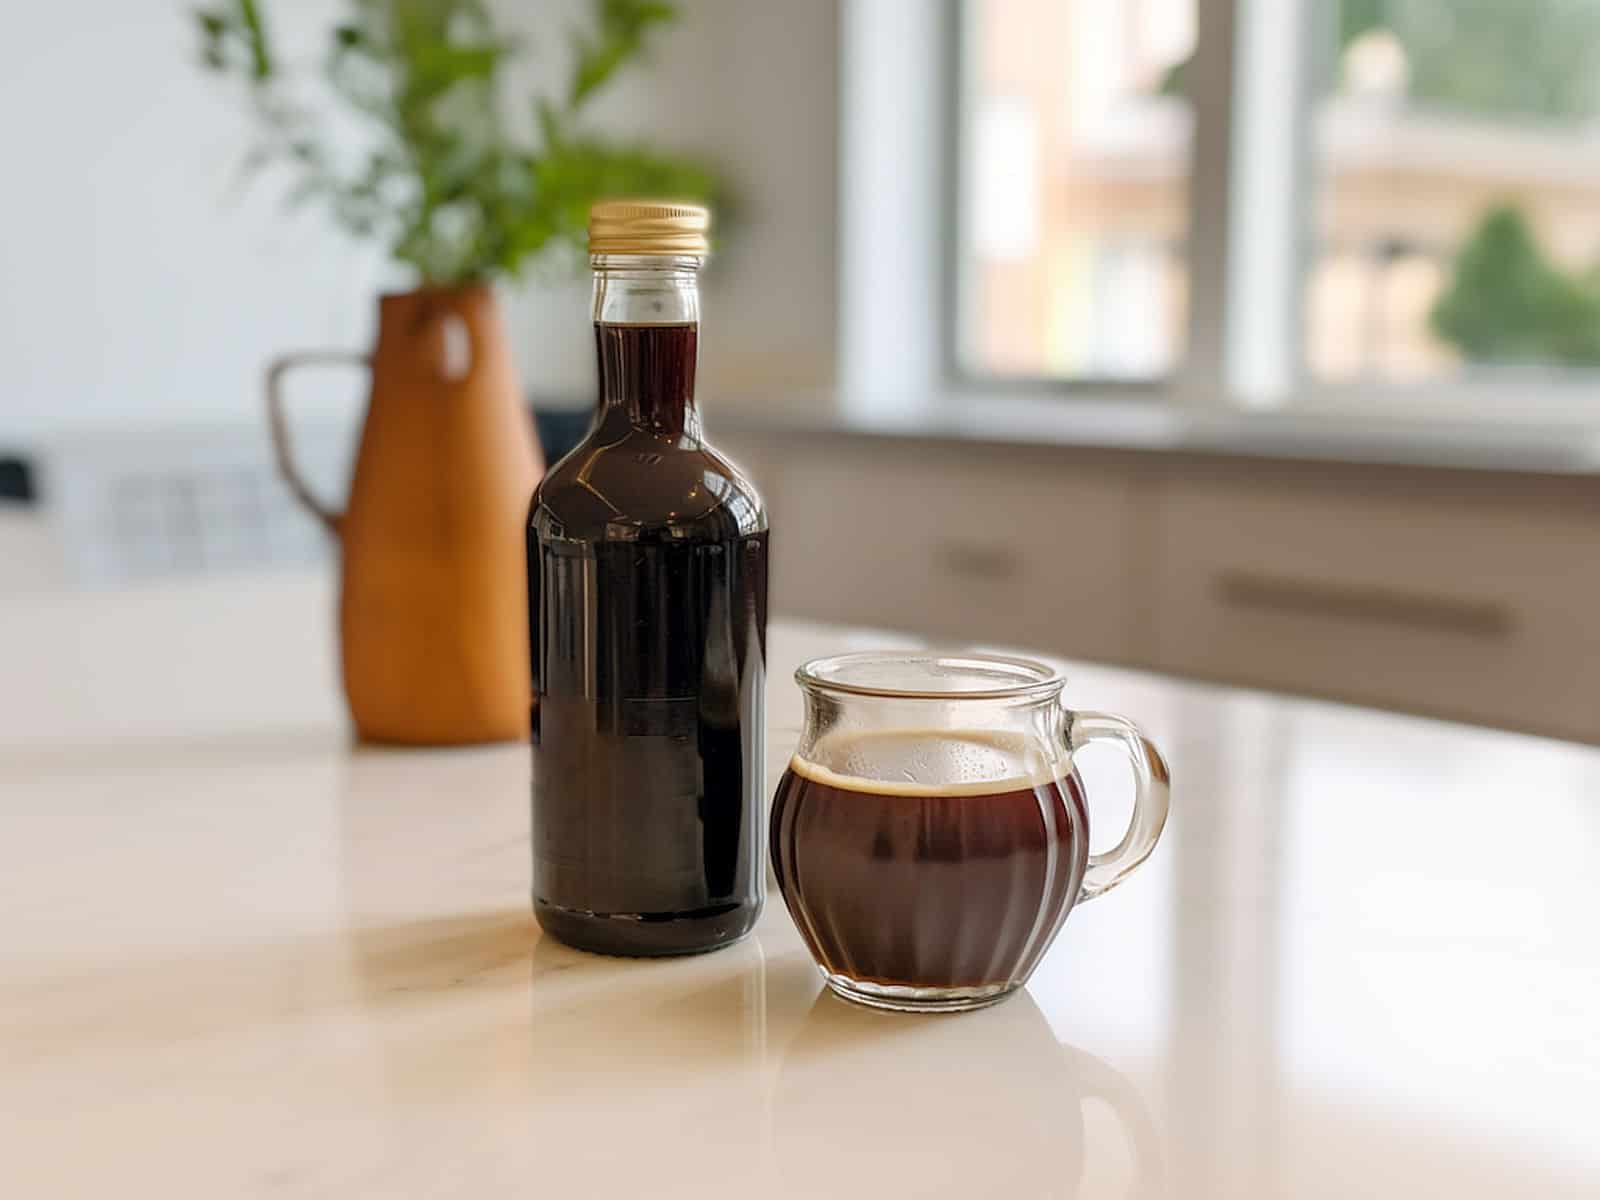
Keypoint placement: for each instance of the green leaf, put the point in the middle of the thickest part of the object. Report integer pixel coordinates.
(623, 26)
(256, 35)
(596, 65)
(549, 121)
(653, 13)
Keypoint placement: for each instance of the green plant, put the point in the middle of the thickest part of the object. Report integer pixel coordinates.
(1508, 303)
(1500, 59)
(442, 177)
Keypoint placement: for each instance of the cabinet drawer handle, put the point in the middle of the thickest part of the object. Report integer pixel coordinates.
(1378, 605)
(978, 560)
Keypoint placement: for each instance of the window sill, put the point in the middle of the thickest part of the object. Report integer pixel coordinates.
(1116, 425)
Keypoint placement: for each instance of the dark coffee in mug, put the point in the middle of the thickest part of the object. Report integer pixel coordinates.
(928, 859)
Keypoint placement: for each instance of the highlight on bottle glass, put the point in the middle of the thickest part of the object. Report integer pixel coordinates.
(931, 833)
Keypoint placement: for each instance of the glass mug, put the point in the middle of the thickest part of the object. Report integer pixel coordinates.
(931, 834)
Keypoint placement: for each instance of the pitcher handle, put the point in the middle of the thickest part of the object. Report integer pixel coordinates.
(278, 422)
(1152, 783)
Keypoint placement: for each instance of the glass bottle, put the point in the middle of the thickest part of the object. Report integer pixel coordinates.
(647, 592)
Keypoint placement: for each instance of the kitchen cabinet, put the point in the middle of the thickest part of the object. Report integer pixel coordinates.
(952, 548)
(1429, 596)
(1467, 594)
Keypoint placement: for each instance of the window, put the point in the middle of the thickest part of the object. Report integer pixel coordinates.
(1075, 203)
(1410, 191)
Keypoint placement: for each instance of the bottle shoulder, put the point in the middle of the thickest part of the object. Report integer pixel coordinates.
(642, 486)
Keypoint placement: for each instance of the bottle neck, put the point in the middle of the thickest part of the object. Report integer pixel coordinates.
(646, 327)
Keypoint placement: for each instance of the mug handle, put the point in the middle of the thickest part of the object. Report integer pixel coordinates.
(1152, 784)
(278, 422)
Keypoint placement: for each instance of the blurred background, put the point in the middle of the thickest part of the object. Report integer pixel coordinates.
(1256, 341)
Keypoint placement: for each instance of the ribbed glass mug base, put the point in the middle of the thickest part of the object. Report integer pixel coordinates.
(901, 998)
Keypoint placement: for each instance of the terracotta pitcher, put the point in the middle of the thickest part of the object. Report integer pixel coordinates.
(433, 614)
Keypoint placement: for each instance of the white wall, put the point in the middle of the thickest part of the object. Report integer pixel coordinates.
(132, 288)
(752, 85)
(137, 289)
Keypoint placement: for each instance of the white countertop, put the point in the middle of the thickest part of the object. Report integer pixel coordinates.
(242, 956)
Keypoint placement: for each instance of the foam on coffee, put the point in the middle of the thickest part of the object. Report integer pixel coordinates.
(925, 762)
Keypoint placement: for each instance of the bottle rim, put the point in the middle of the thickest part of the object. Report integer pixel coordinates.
(930, 675)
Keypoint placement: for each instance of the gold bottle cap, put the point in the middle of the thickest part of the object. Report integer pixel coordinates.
(648, 227)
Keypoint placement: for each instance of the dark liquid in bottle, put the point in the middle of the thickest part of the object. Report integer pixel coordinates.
(647, 589)
(952, 886)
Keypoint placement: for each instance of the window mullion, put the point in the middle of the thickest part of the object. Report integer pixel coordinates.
(1248, 220)
(1201, 381)
(1269, 201)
